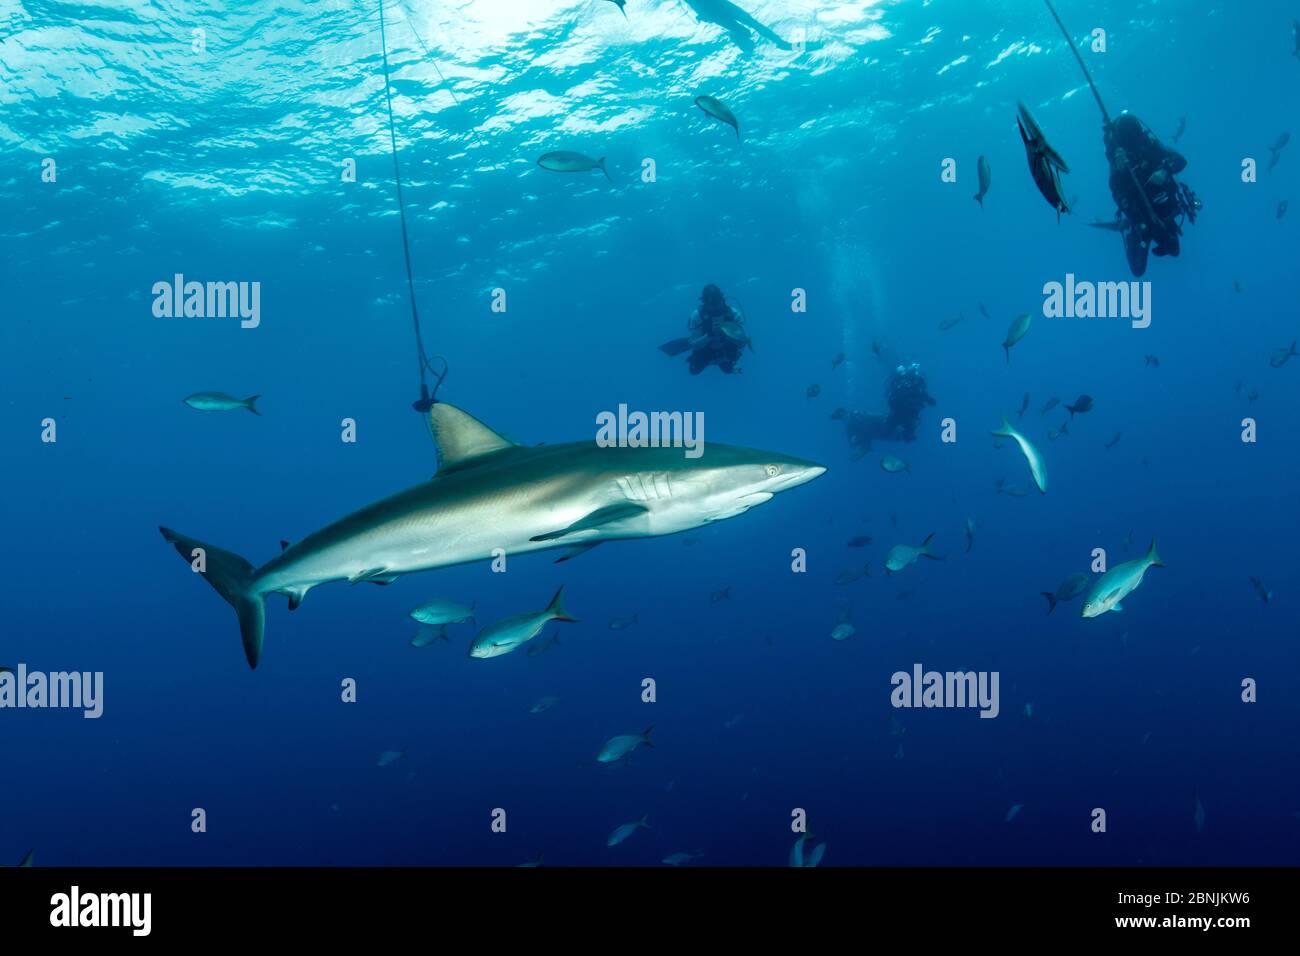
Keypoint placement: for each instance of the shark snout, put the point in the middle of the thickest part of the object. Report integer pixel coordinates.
(798, 473)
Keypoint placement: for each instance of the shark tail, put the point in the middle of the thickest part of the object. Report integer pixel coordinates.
(251, 404)
(600, 163)
(979, 198)
(1006, 348)
(645, 736)
(232, 577)
(643, 822)
(1003, 432)
(1153, 558)
(1051, 600)
(556, 608)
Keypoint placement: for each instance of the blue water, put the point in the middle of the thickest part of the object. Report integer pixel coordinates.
(225, 165)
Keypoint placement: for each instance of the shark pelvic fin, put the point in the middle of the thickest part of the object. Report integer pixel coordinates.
(461, 438)
(576, 550)
(295, 596)
(374, 576)
(596, 519)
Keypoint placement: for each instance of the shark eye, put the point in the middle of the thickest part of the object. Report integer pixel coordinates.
(773, 470)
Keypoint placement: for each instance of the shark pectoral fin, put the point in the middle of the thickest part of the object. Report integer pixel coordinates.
(576, 550)
(461, 438)
(596, 519)
(374, 575)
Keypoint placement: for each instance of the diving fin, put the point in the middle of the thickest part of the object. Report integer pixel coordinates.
(676, 347)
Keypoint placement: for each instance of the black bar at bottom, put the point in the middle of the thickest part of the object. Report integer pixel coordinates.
(205, 905)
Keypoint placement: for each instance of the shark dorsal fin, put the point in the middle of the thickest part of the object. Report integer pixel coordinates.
(461, 438)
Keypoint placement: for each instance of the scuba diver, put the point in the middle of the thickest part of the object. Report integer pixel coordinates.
(717, 335)
(1151, 202)
(906, 395)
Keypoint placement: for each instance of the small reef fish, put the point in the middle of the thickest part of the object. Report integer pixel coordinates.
(902, 555)
(985, 178)
(1037, 467)
(1118, 583)
(616, 748)
(221, 402)
(510, 633)
(567, 161)
(719, 111)
(626, 830)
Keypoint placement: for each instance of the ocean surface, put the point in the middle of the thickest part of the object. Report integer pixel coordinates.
(222, 156)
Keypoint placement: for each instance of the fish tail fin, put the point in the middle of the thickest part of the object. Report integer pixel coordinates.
(925, 548)
(643, 822)
(1003, 432)
(601, 162)
(1153, 558)
(556, 608)
(645, 736)
(979, 199)
(1007, 348)
(1070, 409)
(233, 578)
(1051, 600)
(251, 403)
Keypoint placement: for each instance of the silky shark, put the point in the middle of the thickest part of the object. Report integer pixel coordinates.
(490, 494)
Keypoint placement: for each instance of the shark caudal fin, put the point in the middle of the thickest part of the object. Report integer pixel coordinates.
(232, 577)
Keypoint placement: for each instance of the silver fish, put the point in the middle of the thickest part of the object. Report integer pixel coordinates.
(567, 161)
(986, 177)
(221, 402)
(616, 748)
(510, 633)
(626, 830)
(719, 111)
